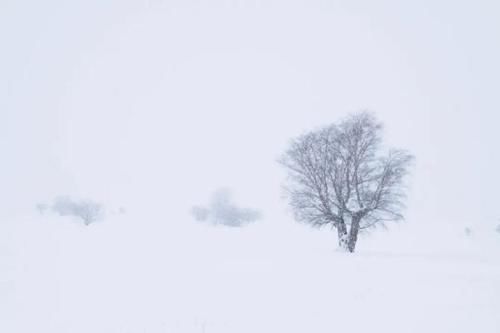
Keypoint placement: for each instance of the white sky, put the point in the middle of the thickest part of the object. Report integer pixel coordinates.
(157, 103)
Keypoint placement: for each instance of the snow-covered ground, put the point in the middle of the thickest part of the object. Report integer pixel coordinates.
(137, 274)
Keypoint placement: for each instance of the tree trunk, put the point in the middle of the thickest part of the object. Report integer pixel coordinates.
(353, 233)
(342, 234)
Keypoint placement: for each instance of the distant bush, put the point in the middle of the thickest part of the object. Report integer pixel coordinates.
(200, 213)
(87, 210)
(42, 208)
(223, 211)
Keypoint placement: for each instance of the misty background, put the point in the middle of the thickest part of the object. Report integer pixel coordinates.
(156, 103)
(144, 109)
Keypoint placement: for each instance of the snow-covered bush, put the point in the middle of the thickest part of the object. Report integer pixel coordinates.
(200, 213)
(223, 211)
(88, 210)
(42, 208)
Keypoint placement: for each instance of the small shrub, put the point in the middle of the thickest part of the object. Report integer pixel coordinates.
(200, 213)
(88, 210)
(223, 211)
(42, 208)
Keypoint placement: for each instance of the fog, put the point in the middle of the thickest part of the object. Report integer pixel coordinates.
(159, 102)
(149, 107)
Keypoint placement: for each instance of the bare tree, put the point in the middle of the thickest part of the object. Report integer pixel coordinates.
(88, 210)
(339, 176)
